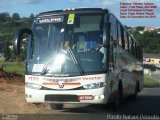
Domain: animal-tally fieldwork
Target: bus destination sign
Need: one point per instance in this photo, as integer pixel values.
(55, 19)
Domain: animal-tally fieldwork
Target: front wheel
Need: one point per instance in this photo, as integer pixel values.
(55, 106)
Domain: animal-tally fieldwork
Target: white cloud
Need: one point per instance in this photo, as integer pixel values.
(13, 2)
(29, 1)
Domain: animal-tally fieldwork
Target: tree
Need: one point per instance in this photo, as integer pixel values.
(7, 52)
(149, 40)
(4, 17)
(31, 16)
(140, 28)
(15, 17)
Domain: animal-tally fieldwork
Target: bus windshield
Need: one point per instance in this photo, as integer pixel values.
(67, 44)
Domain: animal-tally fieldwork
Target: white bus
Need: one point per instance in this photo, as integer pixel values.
(80, 55)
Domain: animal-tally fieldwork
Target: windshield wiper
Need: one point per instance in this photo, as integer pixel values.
(51, 63)
(46, 68)
(76, 62)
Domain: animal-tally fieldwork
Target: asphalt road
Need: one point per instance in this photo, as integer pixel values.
(147, 105)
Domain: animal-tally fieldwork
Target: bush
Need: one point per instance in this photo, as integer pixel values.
(151, 67)
(149, 82)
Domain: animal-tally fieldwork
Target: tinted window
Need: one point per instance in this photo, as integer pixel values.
(113, 27)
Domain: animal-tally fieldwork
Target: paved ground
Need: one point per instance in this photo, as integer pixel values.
(13, 105)
(147, 105)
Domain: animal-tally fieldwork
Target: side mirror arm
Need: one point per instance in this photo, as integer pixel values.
(18, 39)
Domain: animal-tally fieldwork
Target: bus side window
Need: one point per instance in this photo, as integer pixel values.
(132, 47)
(130, 44)
(135, 49)
(123, 37)
(119, 35)
(138, 52)
(126, 41)
(111, 57)
(113, 30)
(141, 53)
(114, 38)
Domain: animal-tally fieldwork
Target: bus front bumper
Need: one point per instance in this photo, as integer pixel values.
(92, 96)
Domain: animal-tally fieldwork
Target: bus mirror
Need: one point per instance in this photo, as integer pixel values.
(106, 36)
(18, 39)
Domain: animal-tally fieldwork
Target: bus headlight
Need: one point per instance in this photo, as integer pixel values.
(94, 85)
(33, 86)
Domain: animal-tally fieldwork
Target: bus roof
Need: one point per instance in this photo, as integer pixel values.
(73, 10)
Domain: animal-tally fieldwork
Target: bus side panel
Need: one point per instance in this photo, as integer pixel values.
(131, 71)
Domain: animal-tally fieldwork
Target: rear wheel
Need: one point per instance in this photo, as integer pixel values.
(115, 103)
(55, 106)
(134, 96)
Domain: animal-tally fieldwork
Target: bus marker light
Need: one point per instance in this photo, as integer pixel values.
(96, 97)
(101, 96)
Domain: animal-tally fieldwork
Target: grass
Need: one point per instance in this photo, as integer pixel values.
(149, 82)
(13, 67)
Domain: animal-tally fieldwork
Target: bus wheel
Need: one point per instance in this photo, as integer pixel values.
(56, 106)
(118, 97)
(115, 103)
(134, 96)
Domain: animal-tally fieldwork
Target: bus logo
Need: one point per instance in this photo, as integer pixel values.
(61, 84)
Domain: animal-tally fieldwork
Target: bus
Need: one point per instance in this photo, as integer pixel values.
(82, 55)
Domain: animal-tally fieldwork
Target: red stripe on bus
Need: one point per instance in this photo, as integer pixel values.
(70, 84)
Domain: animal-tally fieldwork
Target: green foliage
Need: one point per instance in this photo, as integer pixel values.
(9, 25)
(150, 82)
(13, 67)
(149, 40)
(31, 16)
(151, 67)
(4, 17)
(7, 53)
(140, 28)
(15, 17)
(10, 56)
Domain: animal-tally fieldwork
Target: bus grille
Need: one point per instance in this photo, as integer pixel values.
(62, 98)
(60, 79)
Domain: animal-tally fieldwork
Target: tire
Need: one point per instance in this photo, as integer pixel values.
(120, 91)
(118, 97)
(134, 96)
(115, 103)
(54, 106)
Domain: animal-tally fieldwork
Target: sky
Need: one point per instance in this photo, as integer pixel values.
(26, 7)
